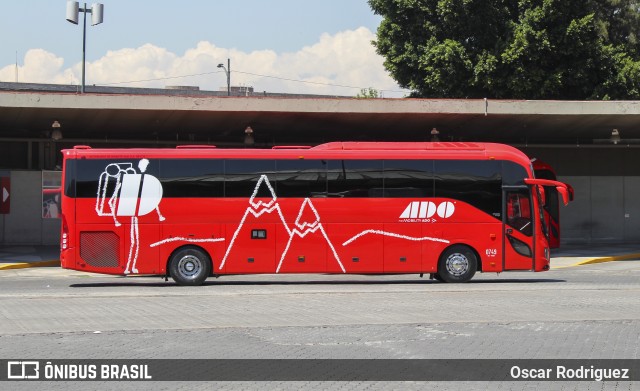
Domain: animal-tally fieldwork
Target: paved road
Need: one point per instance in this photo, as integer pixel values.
(583, 312)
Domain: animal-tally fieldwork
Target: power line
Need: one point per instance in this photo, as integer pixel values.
(160, 78)
(252, 74)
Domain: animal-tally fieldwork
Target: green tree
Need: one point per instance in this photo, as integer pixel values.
(531, 49)
(368, 93)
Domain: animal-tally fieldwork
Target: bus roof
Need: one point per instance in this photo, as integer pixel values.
(333, 150)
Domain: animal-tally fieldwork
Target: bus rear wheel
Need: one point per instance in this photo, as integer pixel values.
(189, 266)
(457, 264)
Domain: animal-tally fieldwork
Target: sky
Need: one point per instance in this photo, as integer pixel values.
(291, 46)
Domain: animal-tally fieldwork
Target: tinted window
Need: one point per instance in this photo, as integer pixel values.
(70, 178)
(407, 178)
(354, 178)
(513, 174)
(241, 177)
(99, 177)
(301, 178)
(476, 182)
(192, 178)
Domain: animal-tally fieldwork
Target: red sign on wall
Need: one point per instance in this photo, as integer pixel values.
(5, 195)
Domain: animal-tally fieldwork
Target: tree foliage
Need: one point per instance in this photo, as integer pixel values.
(368, 93)
(529, 49)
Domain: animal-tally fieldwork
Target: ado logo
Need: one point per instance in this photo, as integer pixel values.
(427, 209)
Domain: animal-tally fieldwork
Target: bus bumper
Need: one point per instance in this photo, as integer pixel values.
(67, 259)
(543, 262)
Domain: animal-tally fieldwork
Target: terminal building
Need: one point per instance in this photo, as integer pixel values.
(592, 145)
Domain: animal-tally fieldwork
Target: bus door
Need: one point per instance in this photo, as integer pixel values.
(518, 229)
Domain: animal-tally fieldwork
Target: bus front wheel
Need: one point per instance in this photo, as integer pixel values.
(189, 266)
(457, 264)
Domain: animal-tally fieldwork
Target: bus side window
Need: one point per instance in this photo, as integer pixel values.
(407, 179)
(354, 178)
(242, 175)
(301, 178)
(192, 177)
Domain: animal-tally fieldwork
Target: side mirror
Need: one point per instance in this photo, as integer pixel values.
(563, 189)
(570, 191)
(564, 193)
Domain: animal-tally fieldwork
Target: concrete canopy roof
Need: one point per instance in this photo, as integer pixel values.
(278, 120)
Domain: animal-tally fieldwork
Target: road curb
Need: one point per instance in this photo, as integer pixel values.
(625, 257)
(25, 265)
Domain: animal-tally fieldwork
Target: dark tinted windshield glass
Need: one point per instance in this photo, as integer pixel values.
(513, 174)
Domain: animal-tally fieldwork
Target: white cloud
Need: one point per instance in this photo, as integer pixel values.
(346, 58)
(39, 66)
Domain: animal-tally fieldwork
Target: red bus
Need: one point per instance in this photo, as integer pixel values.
(446, 209)
(551, 207)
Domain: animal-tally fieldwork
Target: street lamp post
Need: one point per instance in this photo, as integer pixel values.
(96, 11)
(227, 70)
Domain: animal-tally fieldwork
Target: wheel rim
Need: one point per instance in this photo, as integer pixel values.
(457, 264)
(189, 266)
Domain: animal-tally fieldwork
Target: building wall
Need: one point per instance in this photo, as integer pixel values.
(24, 224)
(606, 181)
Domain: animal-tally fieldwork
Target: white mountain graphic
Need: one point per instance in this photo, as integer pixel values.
(257, 208)
(307, 225)
(308, 222)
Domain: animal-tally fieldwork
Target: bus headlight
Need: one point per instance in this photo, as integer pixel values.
(546, 254)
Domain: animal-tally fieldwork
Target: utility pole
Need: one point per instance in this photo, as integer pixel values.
(227, 70)
(96, 11)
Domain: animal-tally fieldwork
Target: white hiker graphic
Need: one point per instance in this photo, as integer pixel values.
(124, 200)
(304, 227)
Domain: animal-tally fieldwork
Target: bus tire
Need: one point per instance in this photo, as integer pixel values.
(189, 266)
(437, 277)
(458, 263)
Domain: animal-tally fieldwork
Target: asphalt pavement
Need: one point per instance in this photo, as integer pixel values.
(586, 312)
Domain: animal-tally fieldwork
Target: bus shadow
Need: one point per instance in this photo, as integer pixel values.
(314, 282)
(516, 281)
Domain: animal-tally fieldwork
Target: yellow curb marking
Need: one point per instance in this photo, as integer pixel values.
(24, 265)
(602, 260)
